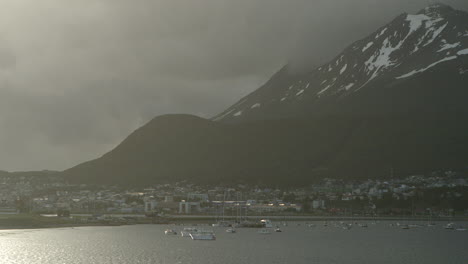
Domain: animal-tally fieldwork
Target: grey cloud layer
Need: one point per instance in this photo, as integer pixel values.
(76, 77)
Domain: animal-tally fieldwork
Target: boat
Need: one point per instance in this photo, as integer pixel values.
(450, 226)
(278, 230)
(264, 231)
(230, 230)
(363, 225)
(170, 232)
(404, 226)
(429, 220)
(222, 224)
(203, 235)
(347, 226)
(266, 223)
(187, 231)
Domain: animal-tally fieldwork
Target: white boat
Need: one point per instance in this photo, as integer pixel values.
(450, 226)
(231, 230)
(170, 232)
(203, 235)
(187, 231)
(363, 225)
(278, 230)
(264, 231)
(266, 223)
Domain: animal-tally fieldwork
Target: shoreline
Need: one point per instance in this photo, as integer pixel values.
(322, 218)
(25, 221)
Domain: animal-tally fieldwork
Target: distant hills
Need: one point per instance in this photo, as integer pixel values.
(396, 99)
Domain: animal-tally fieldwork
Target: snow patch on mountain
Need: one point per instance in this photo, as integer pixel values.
(381, 59)
(324, 89)
(426, 68)
(367, 46)
(416, 21)
(381, 33)
(343, 69)
(349, 86)
(447, 46)
(255, 105)
(435, 34)
(238, 113)
(463, 52)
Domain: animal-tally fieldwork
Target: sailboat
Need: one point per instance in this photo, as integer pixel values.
(429, 220)
(221, 223)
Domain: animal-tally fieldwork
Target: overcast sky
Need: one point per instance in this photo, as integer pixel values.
(76, 77)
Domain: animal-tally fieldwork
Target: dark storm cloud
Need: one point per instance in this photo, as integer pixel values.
(76, 77)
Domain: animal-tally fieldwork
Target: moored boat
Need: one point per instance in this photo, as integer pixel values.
(203, 235)
(230, 230)
(187, 231)
(170, 232)
(450, 226)
(266, 223)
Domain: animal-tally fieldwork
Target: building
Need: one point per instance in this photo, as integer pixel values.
(189, 207)
(318, 204)
(150, 206)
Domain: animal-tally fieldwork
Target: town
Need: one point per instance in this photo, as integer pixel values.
(443, 193)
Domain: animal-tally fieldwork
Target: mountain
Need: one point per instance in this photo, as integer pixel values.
(396, 99)
(416, 64)
(286, 152)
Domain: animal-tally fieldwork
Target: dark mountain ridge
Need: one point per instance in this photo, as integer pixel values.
(288, 152)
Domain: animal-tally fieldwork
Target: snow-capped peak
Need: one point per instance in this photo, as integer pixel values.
(406, 47)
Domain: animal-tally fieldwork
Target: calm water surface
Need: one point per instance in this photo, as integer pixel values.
(379, 243)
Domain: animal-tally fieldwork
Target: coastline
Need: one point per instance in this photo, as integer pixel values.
(29, 221)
